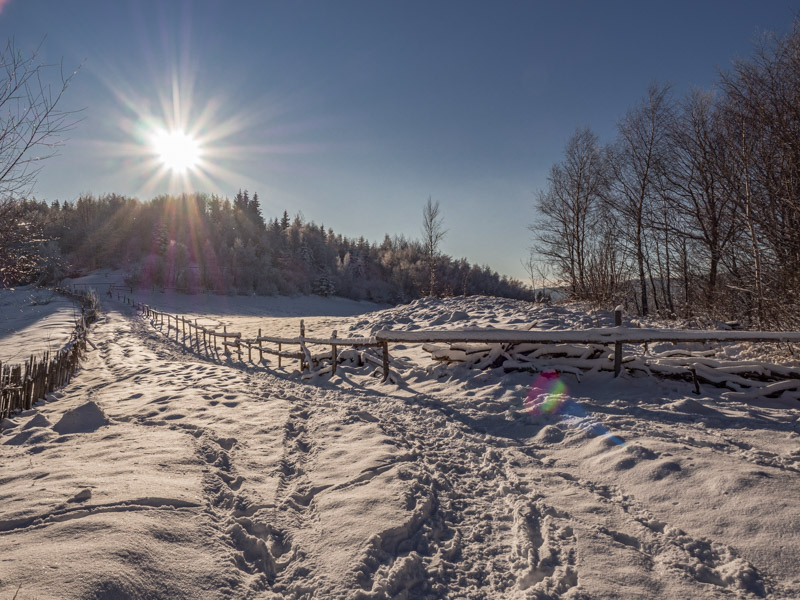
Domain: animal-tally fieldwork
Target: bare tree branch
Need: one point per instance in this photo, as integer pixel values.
(32, 128)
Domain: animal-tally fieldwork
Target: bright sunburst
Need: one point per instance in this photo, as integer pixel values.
(176, 143)
(177, 151)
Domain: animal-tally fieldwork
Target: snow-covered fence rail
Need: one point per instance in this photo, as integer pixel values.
(589, 337)
(605, 336)
(22, 385)
(578, 351)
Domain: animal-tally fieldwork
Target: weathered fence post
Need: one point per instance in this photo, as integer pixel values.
(385, 345)
(333, 354)
(26, 384)
(693, 370)
(260, 349)
(617, 345)
(302, 335)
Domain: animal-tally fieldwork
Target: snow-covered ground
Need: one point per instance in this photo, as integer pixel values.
(159, 473)
(33, 321)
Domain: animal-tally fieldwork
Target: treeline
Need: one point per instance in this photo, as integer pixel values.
(694, 207)
(199, 242)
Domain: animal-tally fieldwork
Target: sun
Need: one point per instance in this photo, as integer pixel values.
(178, 151)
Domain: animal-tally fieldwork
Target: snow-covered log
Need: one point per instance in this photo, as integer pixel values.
(760, 391)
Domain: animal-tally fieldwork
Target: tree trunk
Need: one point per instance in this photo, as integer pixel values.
(640, 260)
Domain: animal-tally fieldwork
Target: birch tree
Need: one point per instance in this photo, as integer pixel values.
(567, 209)
(433, 233)
(637, 157)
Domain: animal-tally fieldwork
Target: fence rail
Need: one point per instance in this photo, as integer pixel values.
(21, 385)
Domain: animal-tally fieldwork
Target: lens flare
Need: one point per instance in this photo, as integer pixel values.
(549, 396)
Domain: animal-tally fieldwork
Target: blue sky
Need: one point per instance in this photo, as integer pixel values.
(353, 113)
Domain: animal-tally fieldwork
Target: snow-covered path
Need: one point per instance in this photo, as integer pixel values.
(160, 474)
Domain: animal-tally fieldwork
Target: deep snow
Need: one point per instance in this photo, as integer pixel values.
(159, 473)
(34, 320)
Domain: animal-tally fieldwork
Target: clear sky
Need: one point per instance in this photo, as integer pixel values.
(354, 112)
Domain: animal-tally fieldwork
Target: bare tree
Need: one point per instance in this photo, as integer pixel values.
(31, 130)
(636, 160)
(706, 192)
(539, 275)
(762, 122)
(706, 211)
(31, 124)
(568, 210)
(433, 233)
(737, 175)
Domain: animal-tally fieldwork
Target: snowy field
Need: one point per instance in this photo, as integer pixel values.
(33, 321)
(161, 474)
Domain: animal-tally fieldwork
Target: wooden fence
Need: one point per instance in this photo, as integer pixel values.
(21, 385)
(502, 339)
(208, 339)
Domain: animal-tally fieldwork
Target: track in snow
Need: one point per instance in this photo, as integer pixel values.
(294, 490)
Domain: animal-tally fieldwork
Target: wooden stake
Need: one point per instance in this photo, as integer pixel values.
(302, 335)
(696, 382)
(385, 360)
(333, 354)
(617, 345)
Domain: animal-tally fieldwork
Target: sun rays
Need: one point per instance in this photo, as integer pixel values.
(173, 142)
